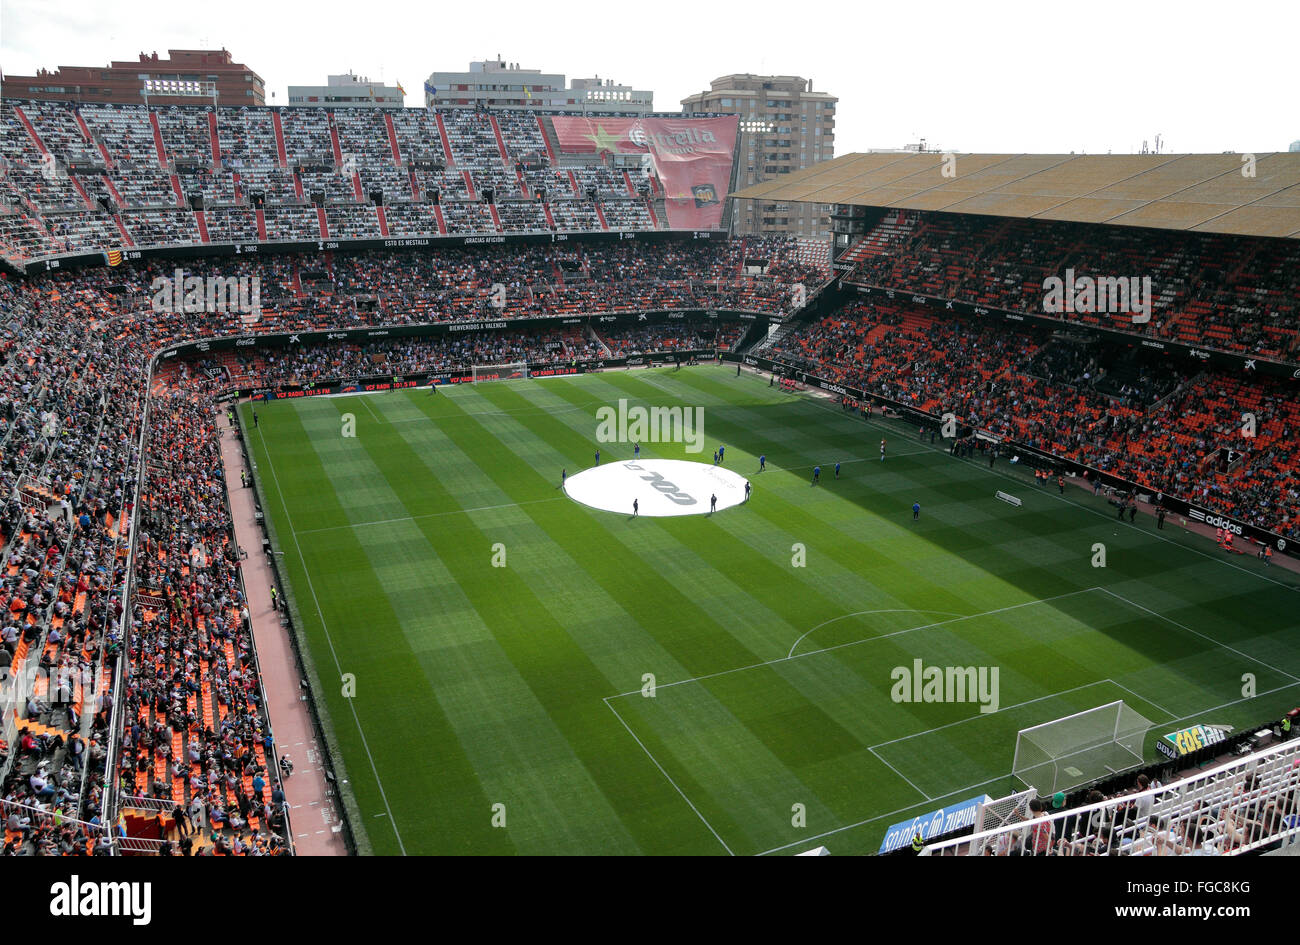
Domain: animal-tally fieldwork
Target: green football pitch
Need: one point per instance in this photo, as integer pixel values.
(503, 670)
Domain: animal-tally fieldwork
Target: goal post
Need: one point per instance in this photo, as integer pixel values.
(995, 814)
(499, 372)
(1062, 754)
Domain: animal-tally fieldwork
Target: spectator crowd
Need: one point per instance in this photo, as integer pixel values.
(188, 736)
(1123, 411)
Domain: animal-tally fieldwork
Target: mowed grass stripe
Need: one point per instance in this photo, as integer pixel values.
(393, 704)
(522, 762)
(634, 791)
(783, 743)
(533, 767)
(741, 604)
(609, 547)
(845, 525)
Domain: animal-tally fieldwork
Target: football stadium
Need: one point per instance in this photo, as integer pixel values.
(469, 479)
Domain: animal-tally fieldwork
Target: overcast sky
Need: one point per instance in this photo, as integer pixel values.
(996, 76)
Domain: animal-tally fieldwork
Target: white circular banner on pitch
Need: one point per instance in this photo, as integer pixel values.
(662, 487)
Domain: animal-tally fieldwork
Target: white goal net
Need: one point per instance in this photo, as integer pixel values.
(500, 372)
(995, 814)
(1064, 753)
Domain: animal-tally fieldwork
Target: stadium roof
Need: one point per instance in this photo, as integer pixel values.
(1197, 192)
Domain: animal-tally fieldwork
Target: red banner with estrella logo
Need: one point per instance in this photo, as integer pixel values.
(692, 157)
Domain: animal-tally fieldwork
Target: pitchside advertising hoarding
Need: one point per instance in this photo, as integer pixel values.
(115, 257)
(693, 157)
(1190, 739)
(385, 382)
(932, 825)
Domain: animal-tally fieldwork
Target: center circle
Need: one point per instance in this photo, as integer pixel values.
(661, 487)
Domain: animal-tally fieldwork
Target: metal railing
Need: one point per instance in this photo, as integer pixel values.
(1241, 806)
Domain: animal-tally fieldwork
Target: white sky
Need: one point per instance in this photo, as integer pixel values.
(997, 76)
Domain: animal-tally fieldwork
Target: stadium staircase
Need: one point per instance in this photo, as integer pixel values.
(771, 338)
(121, 228)
(90, 138)
(392, 138)
(90, 204)
(501, 144)
(280, 152)
(548, 136)
(214, 138)
(334, 142)
(600, 342)
(180, 194)
(446, 142)
(31, 131)
(159, 147)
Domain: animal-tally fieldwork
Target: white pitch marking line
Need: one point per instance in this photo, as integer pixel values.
(840, 646)
(669, 777)
(863, 613)
(1005, 708)
(1060, 498)
(901, 775)
(415, 518)
(971, 787)
(1138, 695)
(1280, 672)
(330, 640)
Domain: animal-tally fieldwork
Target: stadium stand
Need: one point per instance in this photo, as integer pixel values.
(1228, 293)
(88, 178)
(93, 505)
(1098, 404)
(183, 754)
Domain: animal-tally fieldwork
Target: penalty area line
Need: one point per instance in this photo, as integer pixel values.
(840, 646)
(980, 784)
(662, 771)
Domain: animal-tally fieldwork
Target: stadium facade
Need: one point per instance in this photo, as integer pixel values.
(347, 91)
(785, 127)
(185, 77)
(495, 83)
